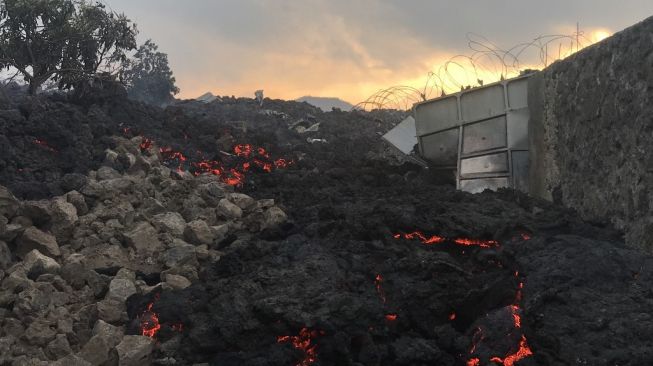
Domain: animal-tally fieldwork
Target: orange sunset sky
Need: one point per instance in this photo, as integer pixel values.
(350, 49)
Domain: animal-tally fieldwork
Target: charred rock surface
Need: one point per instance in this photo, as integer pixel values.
(329, 256)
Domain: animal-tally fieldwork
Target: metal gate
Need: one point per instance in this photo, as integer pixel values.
(481, 134)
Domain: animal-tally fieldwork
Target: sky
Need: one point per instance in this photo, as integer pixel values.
(352, 48)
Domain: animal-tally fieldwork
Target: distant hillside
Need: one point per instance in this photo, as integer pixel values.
(326, 103)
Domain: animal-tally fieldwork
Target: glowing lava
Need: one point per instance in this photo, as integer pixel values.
(150, 324)
(378, 280)
(521, 353)
(303, 342)
(434, 239)
(474, 362)
(391, 317)
(145, 144)
(231, 172)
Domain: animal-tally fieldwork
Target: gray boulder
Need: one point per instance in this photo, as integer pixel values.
(77, 199)
(38, 212)
(228, 210)
(5, 256)
(34, 238)
(171, 222)
(8, 203)
(3, 225)
(198, 232)
(274, 217)
(64, 218)
(143, 237)
(120, 289)
(40, 333)
(71, 360)
(135, 351)
(241, 200)
(37, 264)
(58, 348)
(176, 282)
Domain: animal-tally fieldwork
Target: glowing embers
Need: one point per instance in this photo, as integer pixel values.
(520, 351)
(305, 343)
(391, 317)
(150, 324)
(378, 281)
(45, 145)
(232, 170)
(145, 144)
(434, 239)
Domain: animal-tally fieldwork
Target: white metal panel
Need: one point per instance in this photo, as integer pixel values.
(482, 103)
(402, 136)
(485, 135)
(518, 128)
(518, 93)
(441, 148)
(436, 115)
(520, 170)
(494, 163)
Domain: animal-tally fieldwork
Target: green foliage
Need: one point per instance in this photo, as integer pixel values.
(148, 76)
(68, 41)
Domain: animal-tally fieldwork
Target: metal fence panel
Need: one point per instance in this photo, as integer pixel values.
(485, 135)
(495, 163)
(441, 148)
(482, 103)
(437, 116)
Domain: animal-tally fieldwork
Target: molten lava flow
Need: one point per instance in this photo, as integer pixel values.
(231, 172)
(515, 315)
(145, 144)
(281, 163)
(474, 242)
(521, 353)
(434, 239)
(150, 324)
(474, 362)
(243, 150)
(45, 144)
(379, 289)
(303, 342)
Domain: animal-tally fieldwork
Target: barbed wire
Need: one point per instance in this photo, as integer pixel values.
(487, 63)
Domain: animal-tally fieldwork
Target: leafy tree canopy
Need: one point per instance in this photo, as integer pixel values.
(148, 76)
(68, 41)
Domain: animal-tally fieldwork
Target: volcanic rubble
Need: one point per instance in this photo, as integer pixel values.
(230, 234)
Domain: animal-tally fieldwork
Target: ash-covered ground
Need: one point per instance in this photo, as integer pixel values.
(338, 253)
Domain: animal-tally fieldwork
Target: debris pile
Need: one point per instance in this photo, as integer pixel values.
(141, 249)
(68, 264)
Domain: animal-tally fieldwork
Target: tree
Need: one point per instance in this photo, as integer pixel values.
(68, 41)
(148, 76)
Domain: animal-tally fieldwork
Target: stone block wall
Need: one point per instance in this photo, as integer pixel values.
(591, 133)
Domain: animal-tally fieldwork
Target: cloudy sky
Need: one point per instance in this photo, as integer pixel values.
(347, 48)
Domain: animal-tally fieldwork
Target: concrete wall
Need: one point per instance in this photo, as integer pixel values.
(591, 133)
